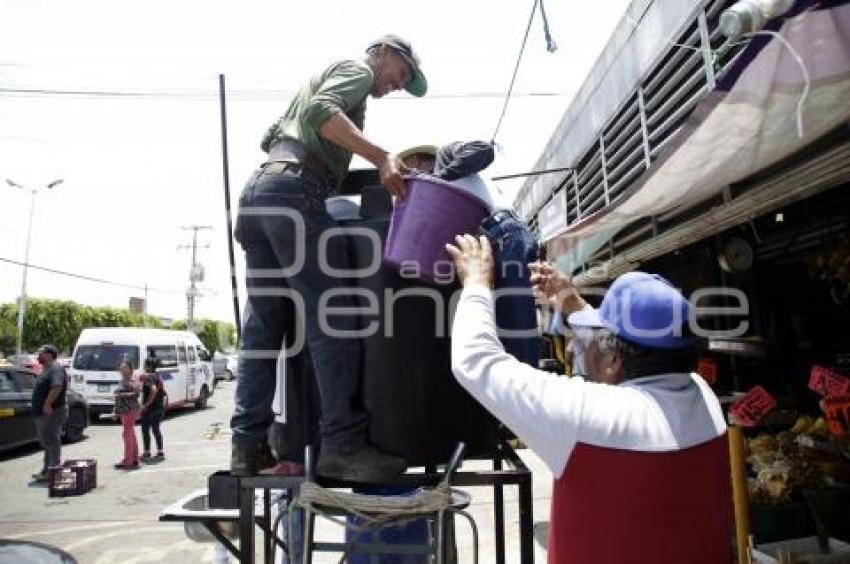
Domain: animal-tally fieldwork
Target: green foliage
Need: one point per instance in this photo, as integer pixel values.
(215, 335)
(60, 322)
(8, 326)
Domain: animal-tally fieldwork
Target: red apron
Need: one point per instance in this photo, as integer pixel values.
(615, 506)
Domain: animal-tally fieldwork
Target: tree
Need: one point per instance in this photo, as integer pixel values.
(8, 327)
(215, 335)
(59, 322)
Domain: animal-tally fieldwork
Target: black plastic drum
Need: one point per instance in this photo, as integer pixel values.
(417, 409)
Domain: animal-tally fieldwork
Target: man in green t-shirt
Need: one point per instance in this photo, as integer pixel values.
(295, 291)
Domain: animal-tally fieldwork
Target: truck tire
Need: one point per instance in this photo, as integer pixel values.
(75, 425)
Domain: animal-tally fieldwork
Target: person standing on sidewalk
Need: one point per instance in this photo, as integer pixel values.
(282, 225)
(153, 411)
(49, 408)
(127, 409)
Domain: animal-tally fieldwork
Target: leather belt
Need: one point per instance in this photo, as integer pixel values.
(296, 169)
(293, 153)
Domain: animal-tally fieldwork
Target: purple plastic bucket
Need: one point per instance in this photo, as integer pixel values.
(431, 215)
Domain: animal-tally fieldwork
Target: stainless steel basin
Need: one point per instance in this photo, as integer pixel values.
(193, 510)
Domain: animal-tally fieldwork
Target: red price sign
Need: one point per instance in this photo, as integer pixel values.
(750, 409)
(827, 383)
(707, 368)
(837, 412)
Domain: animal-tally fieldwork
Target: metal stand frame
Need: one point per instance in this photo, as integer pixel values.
(517, 474)
(439, 523)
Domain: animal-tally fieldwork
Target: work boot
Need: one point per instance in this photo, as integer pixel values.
(247, 458)
(365, 465)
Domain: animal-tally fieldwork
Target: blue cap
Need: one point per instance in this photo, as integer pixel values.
(641, 308)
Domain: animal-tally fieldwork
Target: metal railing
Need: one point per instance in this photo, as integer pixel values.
(649, 116)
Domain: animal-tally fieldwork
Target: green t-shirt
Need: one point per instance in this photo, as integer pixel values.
(342, 87)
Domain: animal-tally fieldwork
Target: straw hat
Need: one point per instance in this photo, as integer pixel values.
(430, 150)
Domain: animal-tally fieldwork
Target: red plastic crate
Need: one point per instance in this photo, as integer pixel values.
(72, 477)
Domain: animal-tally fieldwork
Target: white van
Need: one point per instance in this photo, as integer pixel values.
(184, 365)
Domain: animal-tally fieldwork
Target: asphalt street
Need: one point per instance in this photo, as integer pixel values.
(118, 521)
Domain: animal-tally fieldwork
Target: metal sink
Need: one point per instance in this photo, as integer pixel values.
(194, 512)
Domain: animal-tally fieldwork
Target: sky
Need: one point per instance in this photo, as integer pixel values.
(142, 158)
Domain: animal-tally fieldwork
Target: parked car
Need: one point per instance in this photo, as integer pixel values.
(224, 365)
(28, 361)
(17, 426)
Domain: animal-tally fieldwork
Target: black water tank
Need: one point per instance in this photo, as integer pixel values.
(416, 408)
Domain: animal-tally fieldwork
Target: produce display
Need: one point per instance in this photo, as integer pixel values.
(803, 457)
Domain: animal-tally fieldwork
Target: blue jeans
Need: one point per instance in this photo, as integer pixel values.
(275, 241)
(513, 248)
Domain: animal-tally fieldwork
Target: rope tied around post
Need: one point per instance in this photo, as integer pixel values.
(373, 510)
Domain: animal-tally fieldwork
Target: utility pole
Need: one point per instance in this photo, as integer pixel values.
(226, 172)
(145, 307)
(196, 272)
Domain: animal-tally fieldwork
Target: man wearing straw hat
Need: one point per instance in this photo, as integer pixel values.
(638, 450)
(282, 219)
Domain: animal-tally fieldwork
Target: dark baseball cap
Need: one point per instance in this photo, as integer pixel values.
(49, 349)
(417, 86)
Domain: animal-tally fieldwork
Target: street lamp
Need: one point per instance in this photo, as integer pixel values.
(23, 300)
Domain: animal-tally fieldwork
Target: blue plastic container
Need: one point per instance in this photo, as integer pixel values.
(431, 215)
(415, 532)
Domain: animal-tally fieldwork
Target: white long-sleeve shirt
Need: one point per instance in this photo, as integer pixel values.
(551, 414)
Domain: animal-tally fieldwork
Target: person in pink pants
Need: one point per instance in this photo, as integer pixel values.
(127, 409)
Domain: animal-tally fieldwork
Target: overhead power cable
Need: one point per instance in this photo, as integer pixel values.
(91, 278)
(259, 94)
(550, 46)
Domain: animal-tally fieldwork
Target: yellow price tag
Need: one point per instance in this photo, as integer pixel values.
(7, 412)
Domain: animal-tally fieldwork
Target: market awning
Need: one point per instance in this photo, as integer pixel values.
(780, 95)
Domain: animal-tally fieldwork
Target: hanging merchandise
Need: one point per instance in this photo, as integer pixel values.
(832, 266)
